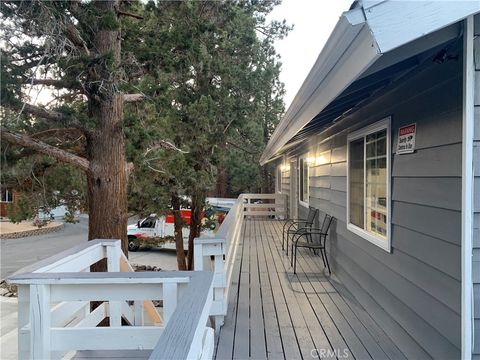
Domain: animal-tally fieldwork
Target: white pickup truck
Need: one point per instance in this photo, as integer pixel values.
(159, 231)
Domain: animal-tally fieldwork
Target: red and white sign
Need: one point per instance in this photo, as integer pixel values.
(406, 139)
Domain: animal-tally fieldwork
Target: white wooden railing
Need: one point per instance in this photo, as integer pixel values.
(54, 315)
(223, 247)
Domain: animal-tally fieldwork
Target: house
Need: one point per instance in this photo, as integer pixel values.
(8, 196)
(384, 135)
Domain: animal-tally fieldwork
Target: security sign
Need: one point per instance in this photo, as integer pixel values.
(406, 139)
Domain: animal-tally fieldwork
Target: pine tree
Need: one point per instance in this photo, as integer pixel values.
(75, 47)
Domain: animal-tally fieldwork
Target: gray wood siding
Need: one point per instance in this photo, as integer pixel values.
(476, 196)
(414, 292)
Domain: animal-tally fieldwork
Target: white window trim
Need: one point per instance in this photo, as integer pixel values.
(305, 162)
(279, 169)
(385, 123)
(11, 196)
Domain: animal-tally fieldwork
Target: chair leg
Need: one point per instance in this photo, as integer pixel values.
(287, 244)
(323, 259)
(283, 238)
(295, 260)
(326, 258)
(291, 258)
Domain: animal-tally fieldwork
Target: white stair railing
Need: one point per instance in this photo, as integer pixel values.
(54, 315)
(223, 247)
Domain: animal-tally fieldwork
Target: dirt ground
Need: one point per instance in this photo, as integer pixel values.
(7, 227)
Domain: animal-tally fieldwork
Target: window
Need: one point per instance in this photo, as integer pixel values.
(7, 196)
(149, 222)
(368, 178)
(279, 178)
(303, 180)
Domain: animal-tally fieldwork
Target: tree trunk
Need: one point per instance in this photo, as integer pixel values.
(107, 178)
(195, 225)
(221, 188)
(178, 225)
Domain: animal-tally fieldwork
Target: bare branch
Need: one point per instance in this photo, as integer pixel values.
(124, 13)
(41, 147)
(74, 36)
(55, 83)
(55, 132)
(163, 144)
(133, 97)
(52, 115)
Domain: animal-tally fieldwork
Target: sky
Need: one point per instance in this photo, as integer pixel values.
(313, 22)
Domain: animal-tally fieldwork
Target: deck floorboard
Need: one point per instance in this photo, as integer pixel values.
(275, 314)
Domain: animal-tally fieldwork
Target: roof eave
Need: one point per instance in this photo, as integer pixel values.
(349, 51)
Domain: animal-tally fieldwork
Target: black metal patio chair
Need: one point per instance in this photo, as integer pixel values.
(314, 239)
(295, 227)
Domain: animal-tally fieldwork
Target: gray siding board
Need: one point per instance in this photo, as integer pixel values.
(410, 348)
(339, 169)
(476, 266)
(445, 290)
(429, 338)
(339, 154)
(476, 306)
(320, 193)
(476, 132)
(476, 158)
(321, 170)
(436, 129)
(440, 223)
(338, 197)
(420, 303)
(436, 192)
(338, 183)
(439, 161)
(439, 254)
(476, 197)
(320, 182)
(476, 340)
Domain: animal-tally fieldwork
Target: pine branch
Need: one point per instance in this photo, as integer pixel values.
(43, 148)
(124, 13)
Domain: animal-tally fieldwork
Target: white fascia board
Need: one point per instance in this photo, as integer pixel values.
(467, 189)
(397, 22)
(349, 51)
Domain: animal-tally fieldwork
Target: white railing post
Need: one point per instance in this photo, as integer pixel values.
(197, 256)
(138, 318)
(170, 300)
(40, 341)
(23, 292)
(113, 265)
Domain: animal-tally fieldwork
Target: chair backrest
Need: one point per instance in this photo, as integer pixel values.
(312, 214)
(327, 221)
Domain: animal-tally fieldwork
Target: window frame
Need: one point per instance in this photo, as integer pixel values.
(303, 157)
(9, 192)
(279, 178)
(384, 124)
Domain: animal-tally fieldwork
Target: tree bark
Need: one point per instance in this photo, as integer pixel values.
(198, 201)
(107, 179)
(41, 147)
(178, 226)
(221, 187)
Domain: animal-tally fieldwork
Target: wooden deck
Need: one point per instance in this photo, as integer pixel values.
(275, 314)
